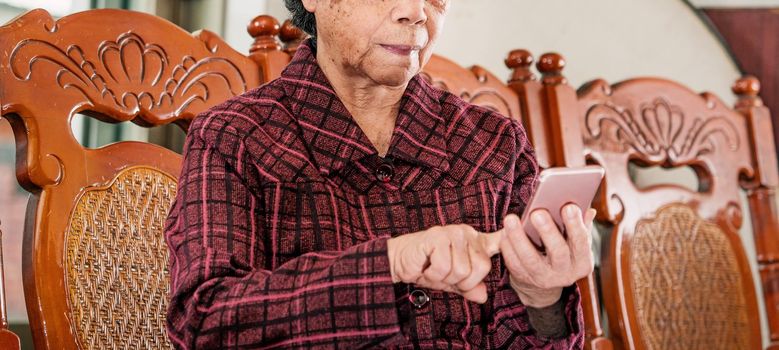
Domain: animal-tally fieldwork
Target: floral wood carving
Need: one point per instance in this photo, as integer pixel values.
(129, 74)
(660, 131)
(475, 85)
(484, 96)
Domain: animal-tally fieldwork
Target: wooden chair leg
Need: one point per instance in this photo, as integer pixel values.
(766, 232)
(594, 338)
(8, 340)
(762, 196)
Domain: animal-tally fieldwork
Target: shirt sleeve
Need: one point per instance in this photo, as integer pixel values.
(511, 316)
(220, 299)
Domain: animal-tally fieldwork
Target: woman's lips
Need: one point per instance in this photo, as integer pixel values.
(402, 50)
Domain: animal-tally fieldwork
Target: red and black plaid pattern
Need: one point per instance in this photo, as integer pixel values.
(278, 233)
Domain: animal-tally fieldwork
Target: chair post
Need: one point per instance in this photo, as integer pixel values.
(561, 107)
(8, 340)
(761, 192)
(291, 36)
(529, 91)
(549, 111)
(267, 49)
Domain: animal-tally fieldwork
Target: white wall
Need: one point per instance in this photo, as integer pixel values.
(610, 39)
(238, 14)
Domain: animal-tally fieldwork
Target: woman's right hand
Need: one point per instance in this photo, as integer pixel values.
(452, 258)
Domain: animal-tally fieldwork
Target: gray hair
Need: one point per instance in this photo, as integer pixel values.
(301, 18)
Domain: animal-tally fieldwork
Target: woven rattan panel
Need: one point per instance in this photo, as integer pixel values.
(117, 262)
(687, 285)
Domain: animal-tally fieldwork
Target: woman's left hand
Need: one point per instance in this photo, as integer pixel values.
(539, 279)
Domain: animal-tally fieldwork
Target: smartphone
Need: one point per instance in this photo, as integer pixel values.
(558, 187)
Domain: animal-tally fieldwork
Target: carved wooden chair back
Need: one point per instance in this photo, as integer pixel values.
(674, 270)
(95, 261)
(475, 85)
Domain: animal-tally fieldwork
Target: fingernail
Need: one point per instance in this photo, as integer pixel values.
(538, 218)
(570, 212)
(511, 222)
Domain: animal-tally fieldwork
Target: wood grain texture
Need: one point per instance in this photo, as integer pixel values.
(657, 122)
(116, 66)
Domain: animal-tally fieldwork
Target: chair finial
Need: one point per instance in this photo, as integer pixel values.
(520, 61)
(551, 66)
(747, 89)
(265, 31)
(291, 36)
(747, 85)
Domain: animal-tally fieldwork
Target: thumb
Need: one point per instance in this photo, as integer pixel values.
(490, 242)
(478, 294)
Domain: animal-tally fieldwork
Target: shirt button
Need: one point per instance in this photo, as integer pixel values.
(385, 172)
(419, 298)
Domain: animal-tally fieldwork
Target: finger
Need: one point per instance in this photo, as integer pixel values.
(490, 242)
(477, 294)
(461, 263)
(580, 237)
(589, 217)
(480, 268)
(440, 262)
(423, 282)
(512, 263)
(527, 254)
(511, 227)
(556, 247)
(510, 259)
(578, 232)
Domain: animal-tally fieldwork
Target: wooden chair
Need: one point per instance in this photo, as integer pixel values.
(95, 263)
(675, 273)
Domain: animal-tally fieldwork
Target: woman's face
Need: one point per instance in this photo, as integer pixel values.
(385, 41)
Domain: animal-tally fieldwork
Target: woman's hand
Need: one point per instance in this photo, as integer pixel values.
(452, 258)
(539, 279)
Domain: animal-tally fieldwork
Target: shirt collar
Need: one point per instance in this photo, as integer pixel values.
(333, 136)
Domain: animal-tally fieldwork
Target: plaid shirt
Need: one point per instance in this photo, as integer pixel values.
(278, 234)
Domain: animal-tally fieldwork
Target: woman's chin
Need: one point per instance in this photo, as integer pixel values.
(395, 81)
(394, 76)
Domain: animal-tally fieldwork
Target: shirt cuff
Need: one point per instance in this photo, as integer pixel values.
(550, 321)
(508, 304)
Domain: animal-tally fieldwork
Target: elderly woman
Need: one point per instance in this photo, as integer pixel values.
(349, 204)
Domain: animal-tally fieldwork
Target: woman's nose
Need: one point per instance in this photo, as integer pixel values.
(410, 12)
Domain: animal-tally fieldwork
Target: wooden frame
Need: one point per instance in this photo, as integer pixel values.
(562, 127)
(9, 340)
(546, 117)
(116, 66)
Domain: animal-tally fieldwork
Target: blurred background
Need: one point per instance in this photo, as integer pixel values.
(704, 44)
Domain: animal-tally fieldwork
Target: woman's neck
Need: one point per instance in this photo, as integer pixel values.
(373, 106)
